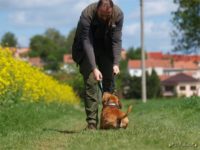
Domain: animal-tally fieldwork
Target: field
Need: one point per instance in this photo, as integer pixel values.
(156, 125)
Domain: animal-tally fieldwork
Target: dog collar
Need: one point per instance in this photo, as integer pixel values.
(112, 105)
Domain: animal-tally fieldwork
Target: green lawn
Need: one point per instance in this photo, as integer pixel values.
(156, 125)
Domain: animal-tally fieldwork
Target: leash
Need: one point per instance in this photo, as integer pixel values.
(100, 86)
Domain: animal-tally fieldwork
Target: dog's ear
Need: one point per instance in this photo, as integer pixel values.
(106, 96)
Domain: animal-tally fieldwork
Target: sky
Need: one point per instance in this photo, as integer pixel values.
(26, 18)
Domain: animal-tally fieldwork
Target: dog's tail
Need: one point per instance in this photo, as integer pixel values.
(128, 111)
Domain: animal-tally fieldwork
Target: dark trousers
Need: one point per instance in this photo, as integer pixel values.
(92, 91)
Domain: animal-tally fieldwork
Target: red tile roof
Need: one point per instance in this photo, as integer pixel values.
(67, 58)
(150, 63)
(194, 58)
(185, 65)
(36, 61)
(163, 77)
(155, 55)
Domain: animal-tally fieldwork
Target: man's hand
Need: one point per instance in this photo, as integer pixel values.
(97, 74)
(116, 69)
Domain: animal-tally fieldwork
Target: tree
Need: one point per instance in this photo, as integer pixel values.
(9, 40)
(55, 36)
(134, 53)
(70, 39)
(119, 79)
(186, 19)
(153, 85)
(42, 46)
(132, 86)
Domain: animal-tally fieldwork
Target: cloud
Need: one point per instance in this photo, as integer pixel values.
(154, 32)
(17, 4)
(36, 15)
(131, 29)
(45, 13)
(154, 8)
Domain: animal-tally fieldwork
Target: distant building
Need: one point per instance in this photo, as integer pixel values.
(155, 55)
(68, 63)
(167, 65)
(134, 66)
(173, 57)
(36, 61)
(22, 53)
(67, 59)
(181, 85)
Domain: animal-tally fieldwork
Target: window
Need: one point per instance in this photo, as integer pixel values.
(193, 88)
(182, 88)
(169, 88)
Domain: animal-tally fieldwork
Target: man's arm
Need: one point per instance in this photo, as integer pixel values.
(87, 39)
(116, 39)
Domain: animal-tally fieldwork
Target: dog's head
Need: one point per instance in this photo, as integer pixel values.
(110, 98)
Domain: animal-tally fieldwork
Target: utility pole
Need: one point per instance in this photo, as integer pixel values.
(144, 97)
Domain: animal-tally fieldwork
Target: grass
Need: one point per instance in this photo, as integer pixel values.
(156, 125)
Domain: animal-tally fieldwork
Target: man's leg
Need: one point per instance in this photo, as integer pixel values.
(91, 100)
(91, 94)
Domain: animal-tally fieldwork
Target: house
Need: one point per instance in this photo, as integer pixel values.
(36, 61)
(155, 55)
(68, 63)
(164, 67)
(134, 66)
(187, 67)
(181, 85)
(176, 57)
(67, 59)
(22, 53)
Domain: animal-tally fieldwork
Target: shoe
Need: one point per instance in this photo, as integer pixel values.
(91, 126)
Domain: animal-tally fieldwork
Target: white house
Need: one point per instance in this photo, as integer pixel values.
(134, 66)
(181, 85)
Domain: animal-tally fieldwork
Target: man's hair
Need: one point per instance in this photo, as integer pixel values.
(101, 2)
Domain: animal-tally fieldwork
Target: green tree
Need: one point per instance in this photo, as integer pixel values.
(153, 85)
(42, 46)
(9, 40)
(186, 36)
(132, 87)
(122, 76)
(55, 36)
(59, 40)
(134, 53)
(70, 39)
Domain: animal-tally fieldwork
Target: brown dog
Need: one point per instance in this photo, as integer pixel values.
(111, 116)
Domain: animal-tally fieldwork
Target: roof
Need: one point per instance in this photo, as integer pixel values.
(154, 55)
(36, 61)
(23, 50)
(163, 77)
(185, 65)
(179, 78)
(150, 63)
(176, 57)
(67, 58)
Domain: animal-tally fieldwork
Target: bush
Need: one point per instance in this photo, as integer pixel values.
(132, 87)
(72, 78)
(19, 79)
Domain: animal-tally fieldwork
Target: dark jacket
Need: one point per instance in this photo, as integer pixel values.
(93, 38)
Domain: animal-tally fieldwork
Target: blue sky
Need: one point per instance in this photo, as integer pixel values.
(26, 18)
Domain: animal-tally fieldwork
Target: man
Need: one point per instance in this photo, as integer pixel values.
(96, 49)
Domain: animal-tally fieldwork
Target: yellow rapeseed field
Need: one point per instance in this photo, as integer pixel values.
(34, 85)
